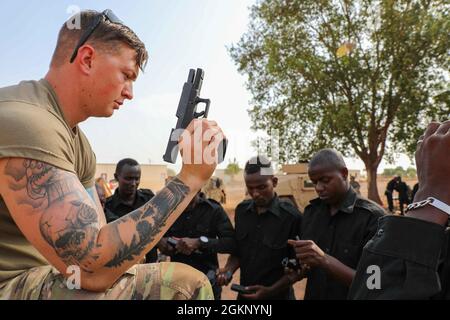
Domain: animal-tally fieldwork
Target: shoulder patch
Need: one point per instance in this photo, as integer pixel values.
(370, 206)
(146, 194)
(289, 207)
(244, 203)
(147, 191)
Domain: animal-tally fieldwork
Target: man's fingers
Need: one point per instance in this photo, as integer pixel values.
(198, 144)
(301, 243)
(306, 255)
(197, 128)
(253, 288)
(310, 261)
(304, 248)
(443, 128)
(200, 122)
(213, 136)
(431, 129)
(204, 124)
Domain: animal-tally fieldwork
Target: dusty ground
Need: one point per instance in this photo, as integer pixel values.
(235, 194)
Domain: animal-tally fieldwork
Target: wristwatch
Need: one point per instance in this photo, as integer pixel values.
(203, 242)
(432, 202)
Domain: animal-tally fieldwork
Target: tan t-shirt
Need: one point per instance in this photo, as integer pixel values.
(32, 126)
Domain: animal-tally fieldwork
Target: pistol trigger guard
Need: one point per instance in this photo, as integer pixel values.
(198, 114)
(207, 102)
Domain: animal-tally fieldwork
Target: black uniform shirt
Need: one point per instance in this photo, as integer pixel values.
(413, 257)
(208, 219)
(262, 241)
(342, 236)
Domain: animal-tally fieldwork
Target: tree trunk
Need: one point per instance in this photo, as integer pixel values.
(372, 183)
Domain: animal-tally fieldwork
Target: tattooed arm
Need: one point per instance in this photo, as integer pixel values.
(57, 215)
(92, 191)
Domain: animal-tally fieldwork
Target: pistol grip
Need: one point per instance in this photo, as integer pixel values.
(171, 149)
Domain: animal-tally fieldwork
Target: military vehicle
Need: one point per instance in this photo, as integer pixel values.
(294, 185)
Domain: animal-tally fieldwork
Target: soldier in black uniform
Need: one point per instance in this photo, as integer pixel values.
(335, 228)
(355, 185)
(128, 197)
(202, 231)
(263, 225)
(391, 186)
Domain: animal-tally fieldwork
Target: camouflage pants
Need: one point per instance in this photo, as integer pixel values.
(156, 281)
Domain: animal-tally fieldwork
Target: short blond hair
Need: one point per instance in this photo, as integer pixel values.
(107, 37)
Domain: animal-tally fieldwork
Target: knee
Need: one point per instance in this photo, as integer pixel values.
(181, 281)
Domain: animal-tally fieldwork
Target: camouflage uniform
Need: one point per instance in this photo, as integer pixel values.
(156, 281)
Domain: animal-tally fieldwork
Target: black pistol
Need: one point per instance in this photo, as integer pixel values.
(240, 289)
(173, 242)
(187, 111)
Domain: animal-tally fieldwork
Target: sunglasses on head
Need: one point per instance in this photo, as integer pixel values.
(105, 15)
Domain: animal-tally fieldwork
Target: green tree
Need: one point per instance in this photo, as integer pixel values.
(232, 169)
(371, 98)
(411, 172)
(398, 171)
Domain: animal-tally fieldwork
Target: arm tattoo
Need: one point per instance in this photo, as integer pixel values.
(74, 235)
(172, 196)
(42, 183)
(76, 239)
(149, 220)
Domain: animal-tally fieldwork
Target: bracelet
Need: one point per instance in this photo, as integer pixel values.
(429, 201)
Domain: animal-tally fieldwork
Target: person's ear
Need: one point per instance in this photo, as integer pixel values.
(274, 181)
(85, 58)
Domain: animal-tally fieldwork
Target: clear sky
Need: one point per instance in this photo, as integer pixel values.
(179, 34)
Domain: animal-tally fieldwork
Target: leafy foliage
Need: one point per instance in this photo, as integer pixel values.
(363, 76)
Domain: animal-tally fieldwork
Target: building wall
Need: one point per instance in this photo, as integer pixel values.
(152, 176)
(220, 173)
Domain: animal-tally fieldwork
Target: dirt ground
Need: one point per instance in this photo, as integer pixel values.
(235, 194)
